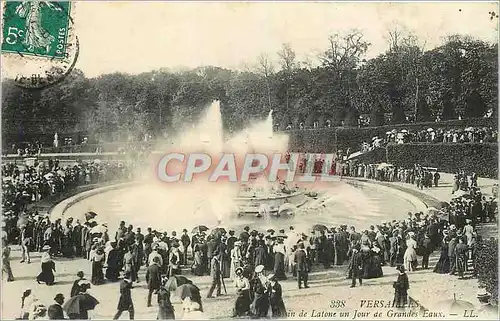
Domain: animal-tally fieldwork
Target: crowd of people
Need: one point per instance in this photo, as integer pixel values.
(430, 135)
(255, 261)
(422, 177)
(25, 184)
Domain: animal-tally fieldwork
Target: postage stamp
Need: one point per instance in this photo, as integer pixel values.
(38, 42)
(36, 28)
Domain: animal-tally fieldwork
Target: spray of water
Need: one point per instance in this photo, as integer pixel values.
(215, 201)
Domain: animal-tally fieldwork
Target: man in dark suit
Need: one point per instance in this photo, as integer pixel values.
(356, 266)
(125, 302)
(211, 247)
(148, 241)
(77, 238)
(153, 278)
(302, 266)
(215, 273)
(185, 240)
(55, 311)
(427, 248)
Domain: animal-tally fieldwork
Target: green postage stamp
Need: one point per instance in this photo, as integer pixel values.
(36, 28)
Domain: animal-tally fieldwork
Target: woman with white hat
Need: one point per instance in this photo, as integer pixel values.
(410, 257)
(48, 266)
(242, 304)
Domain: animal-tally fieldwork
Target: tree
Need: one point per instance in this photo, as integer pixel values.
(265, 68)
(342, 59)
(448, 111)
(377, 116)
(423, 113)
(288, 66)
(474, 105)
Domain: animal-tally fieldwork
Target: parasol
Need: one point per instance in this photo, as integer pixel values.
(199, 229)
(469, 129)
(319, 227)
(218, 231)
(176, 281)
(404, 131)
(383, 165)
(72, 305)
(98, 229)
(90, 215)
(270, 230)
(430, 129)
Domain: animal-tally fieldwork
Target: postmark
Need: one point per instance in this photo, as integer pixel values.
(39, 47)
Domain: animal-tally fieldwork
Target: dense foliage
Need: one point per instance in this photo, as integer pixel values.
(487, 267)
(448, 157)
(459, 77)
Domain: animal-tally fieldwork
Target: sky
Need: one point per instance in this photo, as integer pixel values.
(135, 37)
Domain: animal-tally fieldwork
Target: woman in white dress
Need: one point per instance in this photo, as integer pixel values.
(468, 231)
(410, 256)
(236, 259)
(243, 301)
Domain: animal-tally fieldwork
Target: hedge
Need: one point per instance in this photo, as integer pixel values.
(448, 157)
(377, 155)
(487, 268)
(327, 139)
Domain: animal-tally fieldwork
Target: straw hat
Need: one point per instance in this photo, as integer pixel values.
(259, 268)
(46, 247)
(238, 270)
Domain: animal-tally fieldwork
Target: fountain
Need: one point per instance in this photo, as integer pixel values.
(227, 199)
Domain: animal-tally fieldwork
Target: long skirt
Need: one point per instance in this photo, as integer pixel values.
(443, 265)
(400, 299)
(97, 274)
(242, 304)
(226, 267)
(278, 308)
(46, 275)
(112, 272)
(279, 266)
(260, 305)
